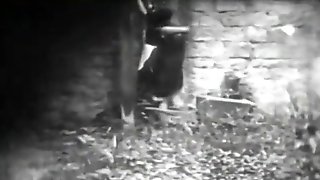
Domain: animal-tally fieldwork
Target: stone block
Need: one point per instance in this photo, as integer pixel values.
(232, 34)
(304, 13)
(198, 49)
(195, 18)
(203, 62)
(207, 49)
(277, 63)
(208, 33)
(205, 33)
(277, 51)
(210, 21)
(207, 79)
(228, 5)
(238, 49)
(202, 6)
(277, 7)
(277, 35)
(259, 19)
(211, 108)
(255, 34)
(269, 51)
(233, 64)
(239, 20)
(205, 19)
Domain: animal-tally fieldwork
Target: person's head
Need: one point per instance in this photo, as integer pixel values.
(159, 17)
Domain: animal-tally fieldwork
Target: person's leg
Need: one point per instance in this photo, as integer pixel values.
(131, 45)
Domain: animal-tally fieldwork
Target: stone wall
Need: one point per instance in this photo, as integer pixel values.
(269, 43)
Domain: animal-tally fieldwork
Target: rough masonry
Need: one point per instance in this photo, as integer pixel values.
(271, 43)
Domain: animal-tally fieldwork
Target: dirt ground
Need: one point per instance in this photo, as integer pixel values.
(254, 147)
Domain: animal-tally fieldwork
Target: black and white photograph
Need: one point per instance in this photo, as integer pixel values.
(160, 90)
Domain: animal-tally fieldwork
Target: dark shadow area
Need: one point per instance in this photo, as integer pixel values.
(39, 39)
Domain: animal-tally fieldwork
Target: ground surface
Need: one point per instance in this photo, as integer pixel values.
(251, 148)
